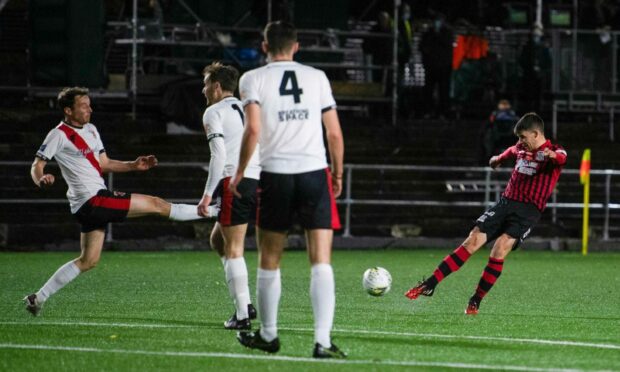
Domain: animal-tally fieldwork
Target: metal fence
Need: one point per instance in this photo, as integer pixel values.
(486, 194)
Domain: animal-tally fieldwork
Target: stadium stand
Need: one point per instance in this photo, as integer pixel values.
(26, 116)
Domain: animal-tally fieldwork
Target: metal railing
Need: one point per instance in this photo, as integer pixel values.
(348, 200)
(554, 205)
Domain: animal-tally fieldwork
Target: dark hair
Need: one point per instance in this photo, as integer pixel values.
(530, 121)
(280, 36)
(66, 97)
(226, 75)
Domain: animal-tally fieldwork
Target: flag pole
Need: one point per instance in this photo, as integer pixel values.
(584, 176)
(586, 217)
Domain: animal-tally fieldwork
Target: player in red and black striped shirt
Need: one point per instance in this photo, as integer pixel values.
(537, 169)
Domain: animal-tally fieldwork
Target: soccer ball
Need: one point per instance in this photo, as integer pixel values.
(377, 281)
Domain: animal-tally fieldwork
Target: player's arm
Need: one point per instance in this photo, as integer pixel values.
(248, 142)
(335, 144)
(39, 177)
(497, 160)
(216, 169)
(557, 157)
(142, 163)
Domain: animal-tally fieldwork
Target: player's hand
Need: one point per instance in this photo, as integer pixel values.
(203, 206)
(143, 163)
(337, 186)
(46, 181)
(494, 162)
(549, 153)
(234, 183)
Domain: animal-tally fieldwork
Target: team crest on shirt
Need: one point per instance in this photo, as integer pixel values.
(540, 156)
(527, 167)
(92, 132)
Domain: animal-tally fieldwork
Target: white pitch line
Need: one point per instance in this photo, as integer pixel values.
(198, 354)
(94, 324)
(342, 330)
(483, 338)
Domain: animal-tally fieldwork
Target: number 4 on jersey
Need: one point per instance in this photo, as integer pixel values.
(294, 89)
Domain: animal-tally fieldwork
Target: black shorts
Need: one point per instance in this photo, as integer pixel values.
(105, 207)
(511, 217)
(307, 196)
(234, 210)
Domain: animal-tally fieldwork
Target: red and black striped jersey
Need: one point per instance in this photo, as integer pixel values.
(534, 175)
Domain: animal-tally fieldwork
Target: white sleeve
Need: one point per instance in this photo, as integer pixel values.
(51, 145)
(327, 98)
(248, 89)
(212, 122)
(215, 136)
(216, 164)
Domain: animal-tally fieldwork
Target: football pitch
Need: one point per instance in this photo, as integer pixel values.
(165, 311)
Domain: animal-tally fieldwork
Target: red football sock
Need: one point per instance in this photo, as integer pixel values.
(450, 264)
(489, 276)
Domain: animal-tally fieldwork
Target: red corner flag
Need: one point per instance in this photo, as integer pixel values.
(584, 170)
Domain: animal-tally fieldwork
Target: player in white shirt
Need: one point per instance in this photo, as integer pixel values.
(223, 123)
(77, 147)
(285, 105)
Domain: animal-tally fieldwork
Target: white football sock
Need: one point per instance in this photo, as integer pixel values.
(61, 278)
(237, 281)
(184, 212)
(323, 296)
(268, 290)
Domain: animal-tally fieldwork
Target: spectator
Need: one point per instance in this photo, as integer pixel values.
(497, 133)
(405, 37)
(378, 49)
(535, 63)
(436, 48)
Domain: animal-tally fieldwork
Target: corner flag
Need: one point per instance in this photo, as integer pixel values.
(584, 177)
(584, 170)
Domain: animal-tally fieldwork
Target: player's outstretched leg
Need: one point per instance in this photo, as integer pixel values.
(490, 274)
(187, 212)
(146, 205)
(448, 265)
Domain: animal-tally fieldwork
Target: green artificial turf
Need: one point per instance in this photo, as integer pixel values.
(164, 311)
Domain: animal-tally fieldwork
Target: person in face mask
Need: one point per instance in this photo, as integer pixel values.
(535, 65)
(405, 35)
(436, 48)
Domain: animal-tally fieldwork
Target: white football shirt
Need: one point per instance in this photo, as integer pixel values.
(223, 121)
(81, 176)
(292, 98)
